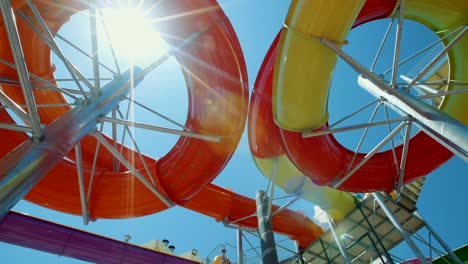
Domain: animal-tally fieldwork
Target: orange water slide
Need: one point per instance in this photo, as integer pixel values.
(215, 73)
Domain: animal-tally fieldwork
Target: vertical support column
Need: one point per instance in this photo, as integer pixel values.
(240, 248)
(267, 239)
(400, 228)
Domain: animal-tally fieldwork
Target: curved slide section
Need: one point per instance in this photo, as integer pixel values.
(212, 74)
(300, 92)
(218, 98)
(299, 103)
(223, 204)
(269, 154)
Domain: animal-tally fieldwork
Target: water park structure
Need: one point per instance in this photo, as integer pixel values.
(56, 154)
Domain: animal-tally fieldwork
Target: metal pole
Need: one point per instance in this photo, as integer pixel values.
(372, 229)
(240, 249)
(437, 58)
(7, 102)
(310, 134)
(267, 239)
(299, 253)
(376, 248)
(22, 168)
(16, 48)
(369, 155)
(440, 126)
(284, 206)
(341, 248)
(325, 251)
(404, 154)
(79, 170)
(375, 79)
(400, 228)
(448, 131)
(441, 242)
(131, 168)
(47, 36)
(274, 174)
(95, 48)
(423, 87)
(160, 129)
(396, 53)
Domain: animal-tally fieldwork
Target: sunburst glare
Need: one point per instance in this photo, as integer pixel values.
(132, 35)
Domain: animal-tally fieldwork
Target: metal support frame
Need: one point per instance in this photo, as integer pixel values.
(267, 239)
(439, 94)
(17, 50)
(15, 127)
(371, 231)
(47, 36)
(341, 247)
(420, 86)
(353, 127)
(404, 154)
(160, 129)
(240, 248)
(396, 53)
(27, 164)
(376, 248)
(440, 126)
(115, 162)
(46, 83)
(372, 228)
(95, 53)
(440, 240)
(131, 168)
(324, 250)
(300, 259)
(369, 155)
(363, 136)
(438, 57)
(252, 246)
(286, 205)
(14, 107)
(274, 174)
(399, 227)
(79, 170)
(448, 131)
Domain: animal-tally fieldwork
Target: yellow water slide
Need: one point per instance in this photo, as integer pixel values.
(336, 203)
(304, 66)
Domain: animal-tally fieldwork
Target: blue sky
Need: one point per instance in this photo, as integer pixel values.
(442, 202)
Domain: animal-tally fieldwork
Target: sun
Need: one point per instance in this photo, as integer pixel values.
(132, 34)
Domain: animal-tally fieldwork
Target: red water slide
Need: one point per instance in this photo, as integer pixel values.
(323, 158)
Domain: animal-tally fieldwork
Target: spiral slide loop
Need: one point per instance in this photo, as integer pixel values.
(300, 93)
(215, 74)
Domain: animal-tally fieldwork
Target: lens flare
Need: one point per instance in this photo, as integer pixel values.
(132, 34)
